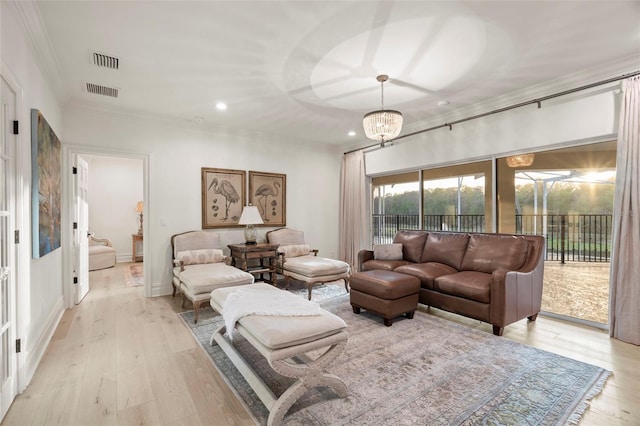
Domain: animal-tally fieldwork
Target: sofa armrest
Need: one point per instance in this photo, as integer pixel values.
(363, 256)
(516, 295)
(93, 240)
(180, 263)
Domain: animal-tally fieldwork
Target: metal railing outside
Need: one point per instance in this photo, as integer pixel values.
(570, 237)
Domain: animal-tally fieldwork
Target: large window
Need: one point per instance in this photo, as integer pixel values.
(457, 198)
(396, 205)
(564, 194)
(567, 196)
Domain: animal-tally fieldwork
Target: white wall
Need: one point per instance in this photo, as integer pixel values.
(584, 116)
(40, 280)
(176, 153)
(115, 187)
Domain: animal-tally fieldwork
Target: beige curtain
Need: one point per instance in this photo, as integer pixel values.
(354, 210)
(624, 292)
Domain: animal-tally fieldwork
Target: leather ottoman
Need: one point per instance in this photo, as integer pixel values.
(386, 293)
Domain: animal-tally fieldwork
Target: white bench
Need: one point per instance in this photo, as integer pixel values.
(284, 341)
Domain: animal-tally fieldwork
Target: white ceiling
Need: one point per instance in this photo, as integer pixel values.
(305, 70)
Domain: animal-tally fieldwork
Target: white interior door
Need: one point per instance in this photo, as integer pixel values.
(81, 231)
(8, 355)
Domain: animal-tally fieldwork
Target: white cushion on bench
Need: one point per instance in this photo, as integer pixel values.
(276, 332)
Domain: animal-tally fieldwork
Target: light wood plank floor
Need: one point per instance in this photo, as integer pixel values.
(120, 358)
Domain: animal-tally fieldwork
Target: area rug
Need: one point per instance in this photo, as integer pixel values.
(134, 275)
(422, 371)
(319, 293)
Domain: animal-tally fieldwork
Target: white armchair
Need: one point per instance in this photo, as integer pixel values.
(199, 267)
(299, 261)
(101, 254)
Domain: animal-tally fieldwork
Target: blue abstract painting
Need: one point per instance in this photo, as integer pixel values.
(46, 184)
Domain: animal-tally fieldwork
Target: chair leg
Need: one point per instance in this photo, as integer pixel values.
(196, 313)
(184, 301)
(286, 280)
(346, 284)
(309, 286)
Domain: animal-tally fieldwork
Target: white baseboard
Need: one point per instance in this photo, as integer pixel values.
(40, 339)
(123, 258)
(158, 289)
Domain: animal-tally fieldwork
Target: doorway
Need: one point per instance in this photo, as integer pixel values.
(117, 186)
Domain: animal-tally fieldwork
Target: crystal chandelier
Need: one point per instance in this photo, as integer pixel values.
(384, 124)
(520, 160)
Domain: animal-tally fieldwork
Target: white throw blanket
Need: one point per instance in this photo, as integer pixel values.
(243, 302)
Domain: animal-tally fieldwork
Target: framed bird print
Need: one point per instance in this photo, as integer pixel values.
(223, 197)
(268, 192)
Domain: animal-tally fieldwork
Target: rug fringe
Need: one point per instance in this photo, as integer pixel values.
(584, 405)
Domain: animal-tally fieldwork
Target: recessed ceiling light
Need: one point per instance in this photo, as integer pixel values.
(221, 106)
(351, 133)
(443, 103)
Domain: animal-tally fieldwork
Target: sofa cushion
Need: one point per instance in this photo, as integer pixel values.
(426, 272)
(445, 248)
(387, 251)
(466, 284)
(486, 253)
(412, 244)
(383, 265)
(204, 278)
(294, 250)
(202, 256)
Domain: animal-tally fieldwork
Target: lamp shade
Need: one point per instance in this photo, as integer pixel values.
(250, 216)
(520, 160)
(382, 125)
(140, 207)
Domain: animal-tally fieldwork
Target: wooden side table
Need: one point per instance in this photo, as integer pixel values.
(134, 247)
(265, 253)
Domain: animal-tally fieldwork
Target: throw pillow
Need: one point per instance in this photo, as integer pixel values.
(295, 250)
(387, 251)
(195, 257)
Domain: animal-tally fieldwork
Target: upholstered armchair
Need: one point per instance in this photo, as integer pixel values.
(199, 267)
(101, 253)
(297, 260)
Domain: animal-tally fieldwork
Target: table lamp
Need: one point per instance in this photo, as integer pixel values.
(139, 210)
(250, 217)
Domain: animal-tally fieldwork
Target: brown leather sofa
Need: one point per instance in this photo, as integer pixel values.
(495, 278)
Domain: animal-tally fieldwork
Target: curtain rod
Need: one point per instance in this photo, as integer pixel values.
(507, 108)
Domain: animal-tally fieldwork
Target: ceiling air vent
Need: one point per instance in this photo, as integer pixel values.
(106, 61)
(102, 90)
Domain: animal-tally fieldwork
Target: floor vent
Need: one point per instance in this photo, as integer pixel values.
(106, 61)
(102, 90)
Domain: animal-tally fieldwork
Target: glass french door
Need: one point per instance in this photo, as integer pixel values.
(8, 357)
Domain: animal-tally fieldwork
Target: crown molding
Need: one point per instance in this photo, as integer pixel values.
(37, 34)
